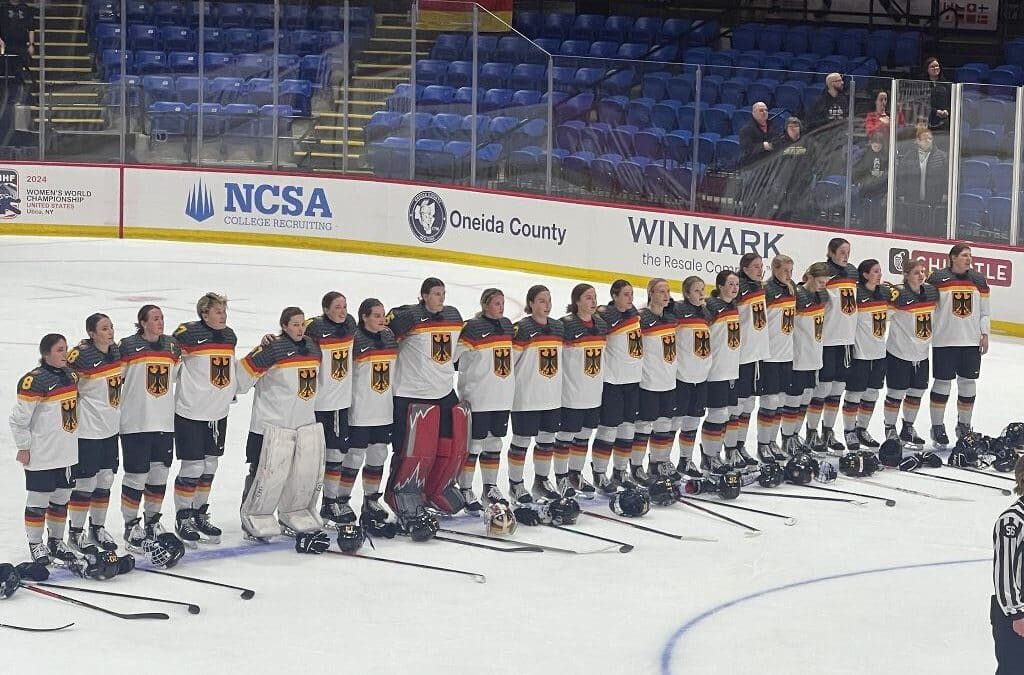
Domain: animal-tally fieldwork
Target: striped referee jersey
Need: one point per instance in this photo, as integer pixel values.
(1007, 572)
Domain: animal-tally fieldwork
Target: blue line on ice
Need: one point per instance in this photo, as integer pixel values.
(677, 636)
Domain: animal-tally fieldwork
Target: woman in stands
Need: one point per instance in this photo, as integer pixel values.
(657, 386)
(838, 337)
(693, 363)
(582, 383)
(487, 384)
(938, 102)
(879, 119)
(620, 395)
(537, 405)
(723, 404)
(867, 365)
(755, 347)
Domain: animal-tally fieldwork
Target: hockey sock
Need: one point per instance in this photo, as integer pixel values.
(350, 465)
(790, 415)
(805, 404)
(468, 473)
(911, 404)
(156, 486)
(938, 398)
(623, 445)
(766, 418)
(851, 406)
(661, 440)
(747, 406)
(604, 442)
(132, 486)
(891, 407)
(563, 448)
(867, 408)
(731, 430)
(57, 512)
(640, 440)
(373, 471)
(578, 449)
(543, 449)
(490, 460)
(517, 458)
(332, 480)
(831, 408)
(101, 497)
(814, 409)
(677, 424)
(712, 432)
(186, 482)
(965, 392)
(688, 437)
(202, 497)
(81, 496)
(35, 515)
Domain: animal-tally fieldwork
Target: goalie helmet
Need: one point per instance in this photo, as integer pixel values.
(801, 468)
(9, 580)
(826, 473)
(630, 502)
(663, 492)
(729, 485)
(350, 538)
(891, 453)
(166, 550)
(500, 520)
(770, 476)
(564, 511)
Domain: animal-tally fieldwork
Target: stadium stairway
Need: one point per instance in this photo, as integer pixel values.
(376, 70)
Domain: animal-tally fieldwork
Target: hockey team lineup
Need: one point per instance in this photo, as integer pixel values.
(566, 388)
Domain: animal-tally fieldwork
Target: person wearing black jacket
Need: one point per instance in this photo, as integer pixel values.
(938, 99)
(1007, 611)
(921, 176)
(793, 169)
(870, 175)
(755, 137)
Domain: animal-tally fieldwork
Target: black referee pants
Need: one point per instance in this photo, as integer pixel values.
(1009, 645)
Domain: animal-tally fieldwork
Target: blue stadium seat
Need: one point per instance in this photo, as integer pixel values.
(157, 88)
(971, 211)
(232, 14)
(663, 54)
(150, 62)
(303, 42)
(500, 129)
(293, 16)
(619, 81)
(420, 121)
(622, 140)
(526, 98)
(167, 120)
(264, 40)
(486, 47)
(574, 107)
(431, 71)
(906, 51)
(316, 68)
(494, 75)
(110, 62)
(739, 119)
(594, 137)
(138, 11)
(588, 78)
(645, 29)
(975, 174)
(665, 113)
(226, 90)
(574, 48)
(632, 51)
(999, 211)
(638, 113)
(169, 13)
(390, 157)
(681, 88)
(769, 39)
(616, 28)
(655, 85)
(331, 40)
(562, 77)
(528, 22)
(241, 123)
(717, 119)
(143, 36)
(496, 99)
(528, 76)
(1002, 178)
(327, 17)
(107, 36)
(603, 49)
(448, 46)
(733, 91)
(612, 109)
(761, 90)
(556, 25)
(262, 15)
(678, 145)
(213, 119)
(459, 74)
(727, 153)
(444, 126)
(436, 96)
(382, 124)
(587, 27)
(603, 171)
(240, 40)
(649, 143)
(983, 142)
(879, 46)
(513, 49)
(629, 174)
(674, 29)
(177, 38)
(744, 37)
(1006, 75)
(219, 63)
(252, 65)
(187, 88)
(298, 94)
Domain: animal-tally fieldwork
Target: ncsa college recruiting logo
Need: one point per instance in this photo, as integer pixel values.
(427, 217)
(199, 204)
(10, 196)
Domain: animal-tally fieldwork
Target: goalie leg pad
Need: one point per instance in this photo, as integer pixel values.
(411, 464)
(441, 490)
(264, 492)
(298, 507)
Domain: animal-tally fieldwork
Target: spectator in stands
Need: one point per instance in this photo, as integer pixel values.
(921, 176)
(755, 138)
(878, 119)
(793, 170)
(833, 105)
(870, 175)
(938, 101)
(18, 23)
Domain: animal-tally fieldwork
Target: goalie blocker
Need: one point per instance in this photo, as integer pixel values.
(424, 471)
(288, 480)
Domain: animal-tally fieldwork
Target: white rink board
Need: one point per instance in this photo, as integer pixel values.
(47, 194)
(530, 233)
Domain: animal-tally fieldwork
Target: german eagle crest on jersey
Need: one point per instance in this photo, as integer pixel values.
(114, 384)
(758, 315)
(819, 326)
(668, 348)
(339, 364)
(441, 347)
(733, 334)
(307, 383)
(547, 362)
(220, 371)
(847, 301)
(592, 361)
(502, 361)
(635, 344)
(963, 303)
(702, 344)
(69, 414)
(923, 325)
(788, 318)
(158, 378)
(380, 377)
(878, 323)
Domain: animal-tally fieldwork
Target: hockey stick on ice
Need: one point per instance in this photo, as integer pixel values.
(1005, 492)
(479, 578)
(247, 593)
(888, 502)
(623, 546)
(647, 529)
(553, 549)
(787, 520)
(984, 473)
(811, 498)
(35, 630)
(80, 603)
(499, 549)
(751, 531)
(192, 608)
(914, 492)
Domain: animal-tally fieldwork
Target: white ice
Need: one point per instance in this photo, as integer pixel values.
(666, 607)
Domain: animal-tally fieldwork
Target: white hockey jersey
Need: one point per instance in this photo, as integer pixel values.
(100, 380)
(285, 376)
(150, 375)
(44, 420)
(208, 376)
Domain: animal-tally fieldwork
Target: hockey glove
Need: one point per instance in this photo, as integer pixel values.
(312, 542)
(9, 580)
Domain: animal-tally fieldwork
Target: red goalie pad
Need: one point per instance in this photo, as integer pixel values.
(411, 467)
(441, 489)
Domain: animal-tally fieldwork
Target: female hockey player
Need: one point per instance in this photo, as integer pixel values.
(755, 347)
(693, 346)
(97, 363)
(44, 424)
(537, 404)
(777, 368)
(657, 386)
(723, 409)
(867, 366)
(487, 384)
(812, 299)
(582, 381)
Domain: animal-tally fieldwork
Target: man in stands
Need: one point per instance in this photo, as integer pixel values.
(793, 168)
(755, 147)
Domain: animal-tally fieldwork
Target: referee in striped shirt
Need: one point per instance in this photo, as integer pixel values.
(1007, 612)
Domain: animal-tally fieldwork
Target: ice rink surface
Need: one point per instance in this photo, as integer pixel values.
(849, 589)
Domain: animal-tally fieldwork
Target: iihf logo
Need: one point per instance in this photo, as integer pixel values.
(9, 194)
(199, 205)
(427, 217)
